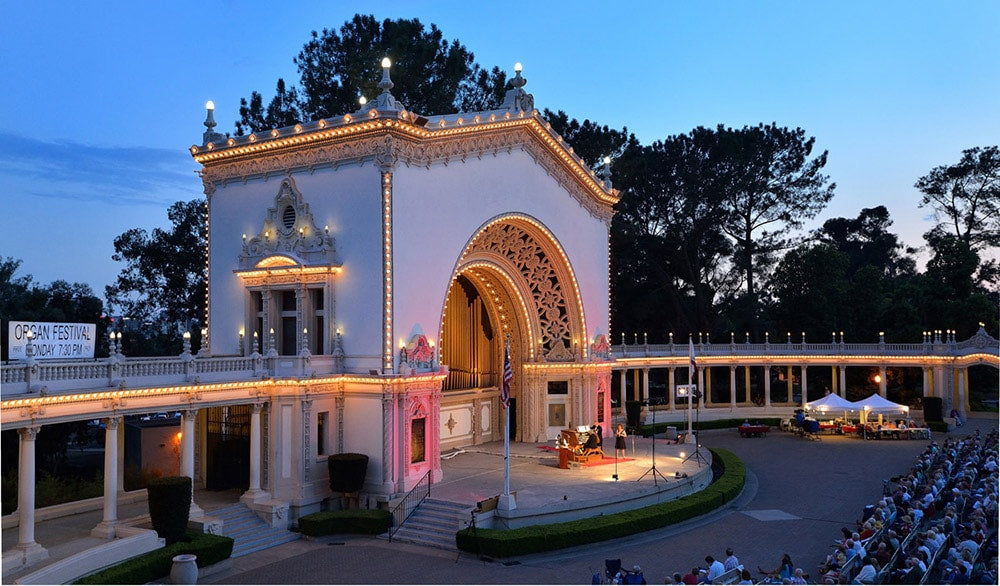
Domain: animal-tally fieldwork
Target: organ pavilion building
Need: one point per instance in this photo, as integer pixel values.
(376, 263)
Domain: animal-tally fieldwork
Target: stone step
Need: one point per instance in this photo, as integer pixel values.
(249, 532)
(433, 524)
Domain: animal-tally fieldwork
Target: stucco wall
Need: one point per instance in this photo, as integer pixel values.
(437, 211)
(348, 201)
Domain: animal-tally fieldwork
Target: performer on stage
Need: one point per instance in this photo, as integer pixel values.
(620, 441)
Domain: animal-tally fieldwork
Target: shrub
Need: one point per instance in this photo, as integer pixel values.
(347, 471)
(938, 426)
(538, 538)
(633, 411)
(155, 565)
(370, 521)
(660, 428)
(52, 490)
(169, 506)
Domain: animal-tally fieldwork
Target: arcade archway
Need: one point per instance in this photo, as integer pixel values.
(513, 279)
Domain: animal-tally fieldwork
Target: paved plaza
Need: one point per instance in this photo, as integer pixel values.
(799, 494)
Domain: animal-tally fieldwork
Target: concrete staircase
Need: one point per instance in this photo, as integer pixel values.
(248, 531)
(434, 524)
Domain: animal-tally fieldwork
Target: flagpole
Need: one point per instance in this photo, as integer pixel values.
(506, 452)
(692, 387)
(506, 500)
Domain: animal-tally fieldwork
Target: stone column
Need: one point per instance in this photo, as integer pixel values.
(788, 380)
(26, 545)
(255, 455)
(842, 381)
(701, 387)
(706, 397)
(645, 385)
(106, 528)
(805, 394)
(187, 454)
(767, 385)
(623, 375)
(635, 385)
(928, 389)
(940, 390)
(670, 388)
(882, 382)
(833, 379)
(732, 386)
(965, 403)
(961, 380)
(746, 380)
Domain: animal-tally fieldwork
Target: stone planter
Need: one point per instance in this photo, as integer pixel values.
(184, 570)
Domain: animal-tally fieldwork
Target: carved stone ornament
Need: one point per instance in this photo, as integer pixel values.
(289, 229)
(982, 340)
(600, 348)
(534, 264)
(516, 99)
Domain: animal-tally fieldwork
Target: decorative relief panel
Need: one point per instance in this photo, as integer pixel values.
(289, 228)
(520, 248)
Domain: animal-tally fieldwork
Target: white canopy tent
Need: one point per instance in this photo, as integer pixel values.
(831, 403)
(877, 404)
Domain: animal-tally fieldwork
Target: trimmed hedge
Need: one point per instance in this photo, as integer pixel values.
(347, 471)
(155, 565)
(370, 521)
(938, 426)
(661, 427)
(169, 506)
(501, 543)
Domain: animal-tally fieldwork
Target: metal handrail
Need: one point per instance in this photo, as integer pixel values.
(402, 511)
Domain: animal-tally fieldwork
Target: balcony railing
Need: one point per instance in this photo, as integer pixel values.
(932, 345)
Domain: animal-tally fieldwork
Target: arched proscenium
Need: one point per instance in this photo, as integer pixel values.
(528, 252)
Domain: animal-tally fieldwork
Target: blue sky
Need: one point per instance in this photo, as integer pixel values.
(102, 99)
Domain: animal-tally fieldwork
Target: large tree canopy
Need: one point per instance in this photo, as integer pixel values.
(771, 186)
(668, 254)
(164, 277)
(431, 75)
(867, 241)
(965, 198)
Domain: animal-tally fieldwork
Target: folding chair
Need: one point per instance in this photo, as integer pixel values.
(611, 568)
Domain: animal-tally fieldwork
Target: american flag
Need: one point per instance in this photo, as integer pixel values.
(693, 367)
(508, 375)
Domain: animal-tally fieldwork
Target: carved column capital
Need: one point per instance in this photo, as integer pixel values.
(28, 433)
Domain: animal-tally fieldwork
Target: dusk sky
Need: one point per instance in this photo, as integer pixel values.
(103, 99)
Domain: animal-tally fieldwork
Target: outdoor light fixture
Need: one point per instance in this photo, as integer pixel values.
(386, 64)
(362, 100)
(518, 67)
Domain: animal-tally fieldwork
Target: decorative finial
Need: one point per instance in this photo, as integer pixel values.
(516, 99)
(385, 101)
(386, 84)
(605, 173)
(210, 134)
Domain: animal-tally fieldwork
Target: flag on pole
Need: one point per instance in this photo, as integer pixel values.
(508, 375)
(693, 367)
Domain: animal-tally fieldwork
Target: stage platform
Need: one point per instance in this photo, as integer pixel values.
(546, 493)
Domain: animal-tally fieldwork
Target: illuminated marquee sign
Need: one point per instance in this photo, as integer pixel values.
(51, 340)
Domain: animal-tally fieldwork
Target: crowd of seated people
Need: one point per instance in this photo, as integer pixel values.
(936, 525)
